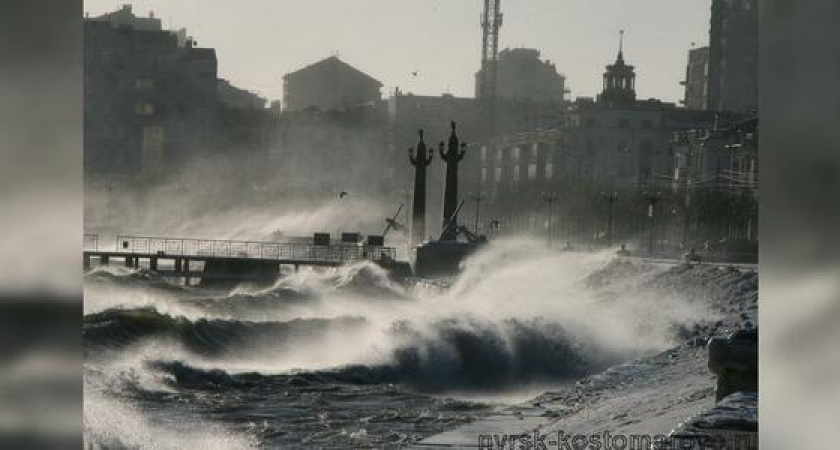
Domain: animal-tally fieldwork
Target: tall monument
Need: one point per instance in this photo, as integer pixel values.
(453, 155)
(420, 158)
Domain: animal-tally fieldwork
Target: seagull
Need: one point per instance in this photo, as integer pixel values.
(415, 72)
(342, 194)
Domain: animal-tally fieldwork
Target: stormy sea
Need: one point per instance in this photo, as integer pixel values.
(348, 358)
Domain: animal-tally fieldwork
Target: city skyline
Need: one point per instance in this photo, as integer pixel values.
(256, 50)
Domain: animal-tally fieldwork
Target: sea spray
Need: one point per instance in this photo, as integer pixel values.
(348, 339)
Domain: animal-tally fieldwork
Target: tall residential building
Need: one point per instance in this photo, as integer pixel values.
(697, 79)
(125, 17)
(154, 103)
(522, 75)
(733, 56)
(148, 100)
(329, 84)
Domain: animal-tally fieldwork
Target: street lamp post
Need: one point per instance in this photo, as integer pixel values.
(550, 198)
(652, 199)
(694, 144)
(611, 198)
(478, 197)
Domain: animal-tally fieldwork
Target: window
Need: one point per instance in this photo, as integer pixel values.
(497, 175)
(624, 148)
(144, 84)
(514, 154)
(514, 181)
(144, 109)
(483, 174)
(549, 171)
(532, 171)
(152, 145)
(535, 150)
(483, 153)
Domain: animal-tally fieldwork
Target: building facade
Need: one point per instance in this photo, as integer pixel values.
(327, 152)
(716, 182)
(723, 159)
(148, 100)
(697, 79)
(523, 75)
(234, 97)
(154, 104)
(125, 17)
(329, 84)
(733, 56)
(615, 144)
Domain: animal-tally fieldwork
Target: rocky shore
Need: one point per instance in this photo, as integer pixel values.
(704, 389)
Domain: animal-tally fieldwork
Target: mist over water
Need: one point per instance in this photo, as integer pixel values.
(219, 198)
(517, 316)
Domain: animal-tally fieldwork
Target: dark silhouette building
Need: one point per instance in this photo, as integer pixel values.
(148, 100)
(125, 17)
(733, 56)
(154, 103)
(697, 79)
(522, 75)
(234, 97)
(329, 84)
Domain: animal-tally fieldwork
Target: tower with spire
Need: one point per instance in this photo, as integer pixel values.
(619, 80)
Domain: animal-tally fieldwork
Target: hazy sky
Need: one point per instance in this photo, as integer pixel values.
(257, 41)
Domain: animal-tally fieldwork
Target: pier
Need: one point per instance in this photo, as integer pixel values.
(214, 261)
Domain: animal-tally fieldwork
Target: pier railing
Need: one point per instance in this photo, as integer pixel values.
(214, 248)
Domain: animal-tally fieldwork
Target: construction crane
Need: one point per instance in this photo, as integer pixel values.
(491, 23)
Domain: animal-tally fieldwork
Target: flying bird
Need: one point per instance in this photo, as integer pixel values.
(342, 194)
(415, 73)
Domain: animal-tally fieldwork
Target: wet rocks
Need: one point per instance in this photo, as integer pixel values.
(731, 423)
(734, 359)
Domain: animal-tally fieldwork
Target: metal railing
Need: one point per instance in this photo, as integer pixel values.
(295, 251)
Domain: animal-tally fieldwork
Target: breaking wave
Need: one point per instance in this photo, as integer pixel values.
(351, 339)
(453, 354)
(117, 329)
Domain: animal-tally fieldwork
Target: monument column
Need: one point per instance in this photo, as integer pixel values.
(420, 158)
(453, 155)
